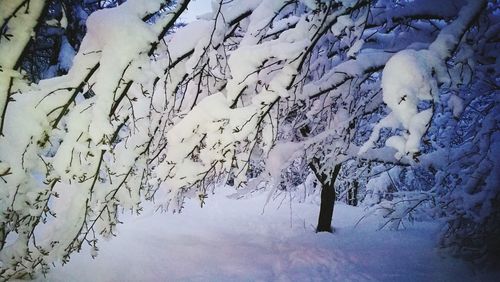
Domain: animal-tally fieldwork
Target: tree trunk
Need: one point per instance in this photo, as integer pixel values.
(326, 209)
(327, 196)
(352, 194)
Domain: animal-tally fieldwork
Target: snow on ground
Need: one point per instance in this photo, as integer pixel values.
(232, 240)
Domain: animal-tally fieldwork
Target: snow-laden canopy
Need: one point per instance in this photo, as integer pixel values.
(254, 91)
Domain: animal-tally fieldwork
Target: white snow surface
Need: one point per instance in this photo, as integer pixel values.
(232, 240)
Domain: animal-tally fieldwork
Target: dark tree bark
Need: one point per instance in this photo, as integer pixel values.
(352, 194)
(327, 195)
(326, 209)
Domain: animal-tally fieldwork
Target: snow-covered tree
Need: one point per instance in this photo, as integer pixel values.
(252, 92)
(62, 137)
(435, 95)
(57, 36)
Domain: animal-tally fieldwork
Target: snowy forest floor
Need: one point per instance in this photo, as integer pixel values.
(232, 240)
